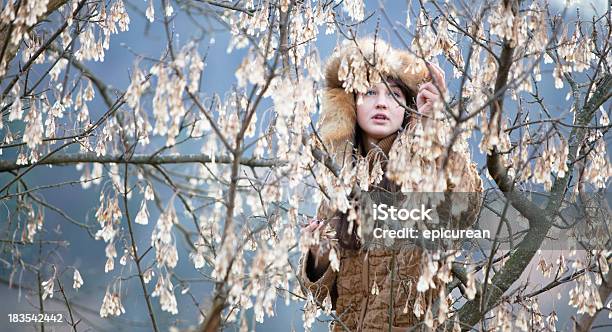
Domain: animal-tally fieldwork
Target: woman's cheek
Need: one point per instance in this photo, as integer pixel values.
(398, 117)
(362, 118)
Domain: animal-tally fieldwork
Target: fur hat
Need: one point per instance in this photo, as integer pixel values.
(347, 72)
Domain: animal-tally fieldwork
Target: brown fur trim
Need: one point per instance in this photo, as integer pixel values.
(413, 71)
(331, 72)
(339, 117)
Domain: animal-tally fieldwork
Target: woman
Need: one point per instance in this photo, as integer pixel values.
(373, 290)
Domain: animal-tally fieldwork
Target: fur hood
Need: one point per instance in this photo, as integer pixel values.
(347, 72)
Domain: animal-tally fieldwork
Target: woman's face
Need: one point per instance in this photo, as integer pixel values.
(378, 114)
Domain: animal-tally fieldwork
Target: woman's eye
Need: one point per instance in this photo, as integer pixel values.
(395, 93)
(370, 93)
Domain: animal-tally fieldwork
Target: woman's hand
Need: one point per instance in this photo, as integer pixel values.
(319, 252)
(432, 91)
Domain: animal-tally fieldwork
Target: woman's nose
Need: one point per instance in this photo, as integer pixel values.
(381, 101)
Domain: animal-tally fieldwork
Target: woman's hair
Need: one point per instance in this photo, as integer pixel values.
(351, 241)
(409, 97)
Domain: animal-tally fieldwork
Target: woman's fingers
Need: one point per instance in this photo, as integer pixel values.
(425, 101)
(426, 95)
(311, 226)
(314, 226)
(320, 226)
(426, 109)
(429, 86)
(438, 73)
(438, 76)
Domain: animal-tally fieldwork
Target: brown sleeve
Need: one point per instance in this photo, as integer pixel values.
(320, 287)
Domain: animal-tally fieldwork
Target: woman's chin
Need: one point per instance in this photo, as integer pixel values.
(376, 133)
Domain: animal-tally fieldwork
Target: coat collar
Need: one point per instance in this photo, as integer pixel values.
(383, 145)
(378, 152)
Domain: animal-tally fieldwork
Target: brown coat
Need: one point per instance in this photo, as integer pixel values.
(374, 290)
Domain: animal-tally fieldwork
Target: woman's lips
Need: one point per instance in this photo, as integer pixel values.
(380, 118)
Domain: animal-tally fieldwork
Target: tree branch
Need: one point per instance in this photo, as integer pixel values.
(470, 313)
(139, 159)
